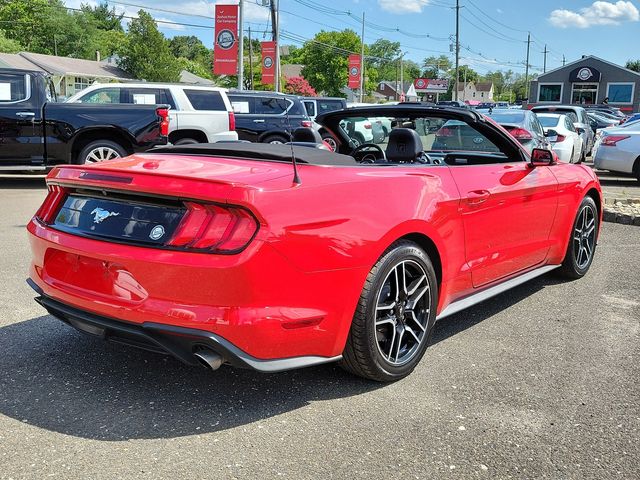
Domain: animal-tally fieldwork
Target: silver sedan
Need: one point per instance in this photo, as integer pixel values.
(618, 149)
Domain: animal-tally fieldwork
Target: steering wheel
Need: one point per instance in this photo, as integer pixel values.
(426, 159)
(369, 158)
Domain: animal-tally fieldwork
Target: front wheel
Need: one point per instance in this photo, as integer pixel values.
(582, 243)
(99, 151)
(275, 140)
(395, 315)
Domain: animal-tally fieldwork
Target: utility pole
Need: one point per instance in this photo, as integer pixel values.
(563, 60)
(362, 63)
(275, 19)
(544, 68)
(526, 68)
(240, 48)
(457, 47)
(402, 77)
(250, 60)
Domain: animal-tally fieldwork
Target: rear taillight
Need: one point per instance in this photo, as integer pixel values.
(163, 113)
(367, 125)
(612, 140)
(232, 121)
(520, 134)
(51, 203)
(215, 228)
(306, 123)
(560, 138)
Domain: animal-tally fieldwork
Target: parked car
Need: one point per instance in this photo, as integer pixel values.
(565, 139)
(618, 150)
(601, 122)
(633, 118)
(36, 132)
(580, 120)
(198, 114)
(606, 108)
(267, 117)
(248, 258)
(523, 125)
(452, 103)
(609, 116)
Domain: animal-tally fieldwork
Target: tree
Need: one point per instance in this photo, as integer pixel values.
(387, 55)
(435, 66)
(299, 86)
(324, 67)
(633, 65)
(105, 18)
(189, 47)
(146, 54)
(9, 46)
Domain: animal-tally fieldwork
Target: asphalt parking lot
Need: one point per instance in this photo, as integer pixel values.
(541, 382)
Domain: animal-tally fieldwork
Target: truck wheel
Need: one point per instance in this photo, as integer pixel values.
(395, 315)
(99, 151)
(186, 141)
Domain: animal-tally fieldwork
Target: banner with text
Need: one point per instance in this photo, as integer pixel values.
(226, 40)
(268, 62)
(431, 85)
(354, 71)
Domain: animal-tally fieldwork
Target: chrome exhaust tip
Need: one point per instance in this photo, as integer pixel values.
(209, 359)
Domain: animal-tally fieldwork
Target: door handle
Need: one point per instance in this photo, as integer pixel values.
(476, 197)
(258, 121)
(25, 114)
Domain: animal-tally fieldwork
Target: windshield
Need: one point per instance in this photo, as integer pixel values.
(549, 121)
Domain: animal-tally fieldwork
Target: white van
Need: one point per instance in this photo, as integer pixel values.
(197, 114)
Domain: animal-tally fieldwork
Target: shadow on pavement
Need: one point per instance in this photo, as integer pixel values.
(55, 378)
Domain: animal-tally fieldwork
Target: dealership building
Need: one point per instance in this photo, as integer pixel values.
(589, 80)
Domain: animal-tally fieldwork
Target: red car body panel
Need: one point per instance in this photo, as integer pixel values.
(292, 292)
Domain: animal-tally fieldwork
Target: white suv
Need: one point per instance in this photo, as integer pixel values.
(197, 114)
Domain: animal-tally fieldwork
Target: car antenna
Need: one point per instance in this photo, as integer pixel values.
(296, 177)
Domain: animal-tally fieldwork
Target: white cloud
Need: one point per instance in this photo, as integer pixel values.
(403, 6)
(598, 13)
(499, 10)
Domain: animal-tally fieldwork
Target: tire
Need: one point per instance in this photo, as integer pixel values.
(186, 141)
(327, 137)
(582, 241)
(375, 334)
(636, 171)
(99, 151)
(275, 139)
(357, 139)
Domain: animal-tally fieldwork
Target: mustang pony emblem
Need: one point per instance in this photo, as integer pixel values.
(99, 215)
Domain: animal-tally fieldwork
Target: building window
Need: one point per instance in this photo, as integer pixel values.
(550, 92)
(80, 83)
(584, 93)
(620, 93)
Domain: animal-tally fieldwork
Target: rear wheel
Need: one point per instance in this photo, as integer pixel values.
(327, 137)
(275, 139)
(101, 150)
(636, 170)
(582, 243)
(186, 141)
(395, 315)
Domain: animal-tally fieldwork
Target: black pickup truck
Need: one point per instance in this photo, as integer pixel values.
(37, 132)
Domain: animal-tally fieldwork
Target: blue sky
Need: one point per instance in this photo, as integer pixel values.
(493, 33)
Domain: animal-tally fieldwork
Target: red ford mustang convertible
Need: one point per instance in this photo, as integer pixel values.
(275, 257)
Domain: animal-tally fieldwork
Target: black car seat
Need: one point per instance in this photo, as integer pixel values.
(405, 146)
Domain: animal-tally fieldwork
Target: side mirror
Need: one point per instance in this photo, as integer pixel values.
(541, 157)
(580, 130)
(551, 135)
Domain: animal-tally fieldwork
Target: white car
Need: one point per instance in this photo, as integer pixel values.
(617, 149)
(197, 114)
(563, 135)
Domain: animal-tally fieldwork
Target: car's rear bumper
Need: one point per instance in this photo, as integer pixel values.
(180, 342)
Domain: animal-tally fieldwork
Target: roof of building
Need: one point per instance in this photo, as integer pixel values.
(392, 85)
(292, 70)
(55, 65)
(484, 86)
(587, 57)
(192, 79)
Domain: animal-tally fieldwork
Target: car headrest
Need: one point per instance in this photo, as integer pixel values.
(303, 134)
(404, 145)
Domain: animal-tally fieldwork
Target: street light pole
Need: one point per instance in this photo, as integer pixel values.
(362, 63)
(457, 47)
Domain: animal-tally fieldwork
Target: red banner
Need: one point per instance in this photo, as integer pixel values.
(354, 71)
(226, 40)
(268, 62)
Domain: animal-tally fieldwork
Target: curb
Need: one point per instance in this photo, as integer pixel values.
(625, 211)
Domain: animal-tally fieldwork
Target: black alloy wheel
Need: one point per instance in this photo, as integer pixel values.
(395, 315)
(583, 241)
